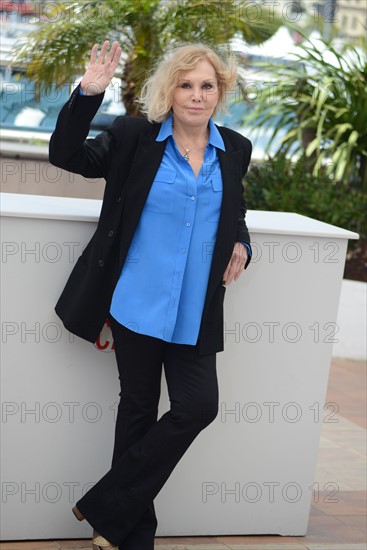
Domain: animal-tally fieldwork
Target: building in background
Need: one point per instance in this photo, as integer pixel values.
(348, 16)
(352, 19)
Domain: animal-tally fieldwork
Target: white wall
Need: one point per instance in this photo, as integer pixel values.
(352, 315)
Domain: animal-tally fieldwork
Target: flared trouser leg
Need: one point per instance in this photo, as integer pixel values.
(137, 412)
(119, 503)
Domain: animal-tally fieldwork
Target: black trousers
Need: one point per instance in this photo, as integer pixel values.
(146, 450)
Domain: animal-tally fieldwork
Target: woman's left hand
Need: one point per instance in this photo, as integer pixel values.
(236, 264)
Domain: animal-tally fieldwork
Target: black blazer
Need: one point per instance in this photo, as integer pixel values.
(128, 157)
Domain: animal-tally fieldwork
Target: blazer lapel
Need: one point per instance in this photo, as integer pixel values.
(147, 158)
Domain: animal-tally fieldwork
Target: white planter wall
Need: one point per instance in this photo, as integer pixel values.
(252, 470)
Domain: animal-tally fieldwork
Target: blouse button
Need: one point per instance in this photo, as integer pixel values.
(100, 263)
(118, 199)
(110, 233)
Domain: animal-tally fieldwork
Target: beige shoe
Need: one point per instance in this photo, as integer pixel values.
(100, 543)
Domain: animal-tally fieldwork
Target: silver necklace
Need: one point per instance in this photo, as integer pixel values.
(187, 151)
(186, 155)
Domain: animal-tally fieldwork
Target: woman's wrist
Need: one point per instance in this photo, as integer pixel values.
(90, 89)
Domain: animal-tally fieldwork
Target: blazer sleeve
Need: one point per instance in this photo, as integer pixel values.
(242, 231)
(69, 147)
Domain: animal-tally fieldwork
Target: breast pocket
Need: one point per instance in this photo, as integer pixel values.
(160, 197)
(214, 198)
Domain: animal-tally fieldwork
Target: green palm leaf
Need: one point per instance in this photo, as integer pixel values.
(328, 105)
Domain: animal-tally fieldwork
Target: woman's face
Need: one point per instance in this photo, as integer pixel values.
(196, 95)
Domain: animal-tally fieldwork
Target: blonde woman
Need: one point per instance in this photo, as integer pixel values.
(171, 236)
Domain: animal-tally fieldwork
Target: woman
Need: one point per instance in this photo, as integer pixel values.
(171, 235)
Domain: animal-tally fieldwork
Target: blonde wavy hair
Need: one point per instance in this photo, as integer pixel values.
(156, 96)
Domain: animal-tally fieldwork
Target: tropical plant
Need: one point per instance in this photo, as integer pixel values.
(280, 184)
(58, 50)
(321, 99)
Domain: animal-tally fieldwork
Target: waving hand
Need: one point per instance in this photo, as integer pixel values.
(101, 68)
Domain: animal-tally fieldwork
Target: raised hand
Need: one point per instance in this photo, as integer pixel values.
(100, 69)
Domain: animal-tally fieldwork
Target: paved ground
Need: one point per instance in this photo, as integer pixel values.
(337, 525)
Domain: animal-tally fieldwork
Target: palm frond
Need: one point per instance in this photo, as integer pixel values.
(328, 100)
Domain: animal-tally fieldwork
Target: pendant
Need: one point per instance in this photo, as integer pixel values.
(186, 155)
